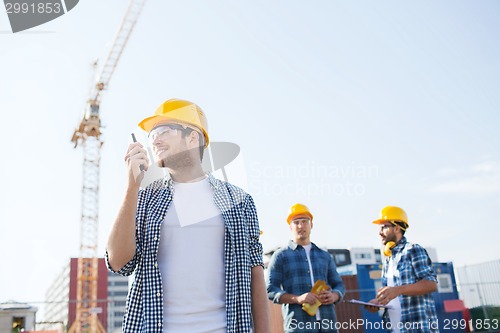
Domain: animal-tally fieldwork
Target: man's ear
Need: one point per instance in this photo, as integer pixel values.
(194, 137)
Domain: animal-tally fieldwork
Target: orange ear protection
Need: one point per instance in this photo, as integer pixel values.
(388, 248)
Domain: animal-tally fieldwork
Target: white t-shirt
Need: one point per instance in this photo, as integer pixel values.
(308, 255)
(191, 261)
(395, 304)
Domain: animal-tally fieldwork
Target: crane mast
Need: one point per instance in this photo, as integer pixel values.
(88, 135)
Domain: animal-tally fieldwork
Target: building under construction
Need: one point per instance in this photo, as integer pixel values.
(62, 300)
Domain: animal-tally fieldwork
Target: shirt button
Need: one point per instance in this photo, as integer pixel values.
(156, 264)
(156, 238)
(159, 324)
(158, 294)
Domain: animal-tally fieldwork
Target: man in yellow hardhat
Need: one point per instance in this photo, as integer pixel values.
(408, 278)
(295, 269)
(191, 239)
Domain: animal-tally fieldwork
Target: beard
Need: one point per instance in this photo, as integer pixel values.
(389, 238)
(180, 160)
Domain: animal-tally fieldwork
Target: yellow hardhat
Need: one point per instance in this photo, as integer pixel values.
(392, 214)
(178, 110)
(298, 209)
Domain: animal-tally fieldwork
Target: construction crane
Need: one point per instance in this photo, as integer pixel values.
(88, 135)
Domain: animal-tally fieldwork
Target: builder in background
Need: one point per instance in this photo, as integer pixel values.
(192, 240)
(408, 278)
(294, 270)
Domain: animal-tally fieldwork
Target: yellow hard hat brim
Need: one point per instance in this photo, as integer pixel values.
(147, 124)
(380, 221)
(292, 216)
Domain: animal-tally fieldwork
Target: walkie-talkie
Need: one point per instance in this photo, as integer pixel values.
(141, 167)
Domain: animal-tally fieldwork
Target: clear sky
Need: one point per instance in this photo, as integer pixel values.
(346, 106)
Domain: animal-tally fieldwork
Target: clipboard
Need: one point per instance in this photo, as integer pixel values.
(355, 301)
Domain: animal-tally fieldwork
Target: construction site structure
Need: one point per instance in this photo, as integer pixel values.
(88, 135)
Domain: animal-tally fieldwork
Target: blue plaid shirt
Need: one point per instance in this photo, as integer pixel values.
(413, 265)
(242, 251)
(288, 272)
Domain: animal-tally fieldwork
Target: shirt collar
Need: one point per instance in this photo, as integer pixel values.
(400, 245)
(211, 180)
(294, 246)
(214, 183)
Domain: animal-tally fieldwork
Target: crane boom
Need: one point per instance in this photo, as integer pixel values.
(121, 38)
(87, 134)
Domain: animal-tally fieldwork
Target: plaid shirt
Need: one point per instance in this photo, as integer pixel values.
(413, 265)
(288, 272)
(242, 251)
